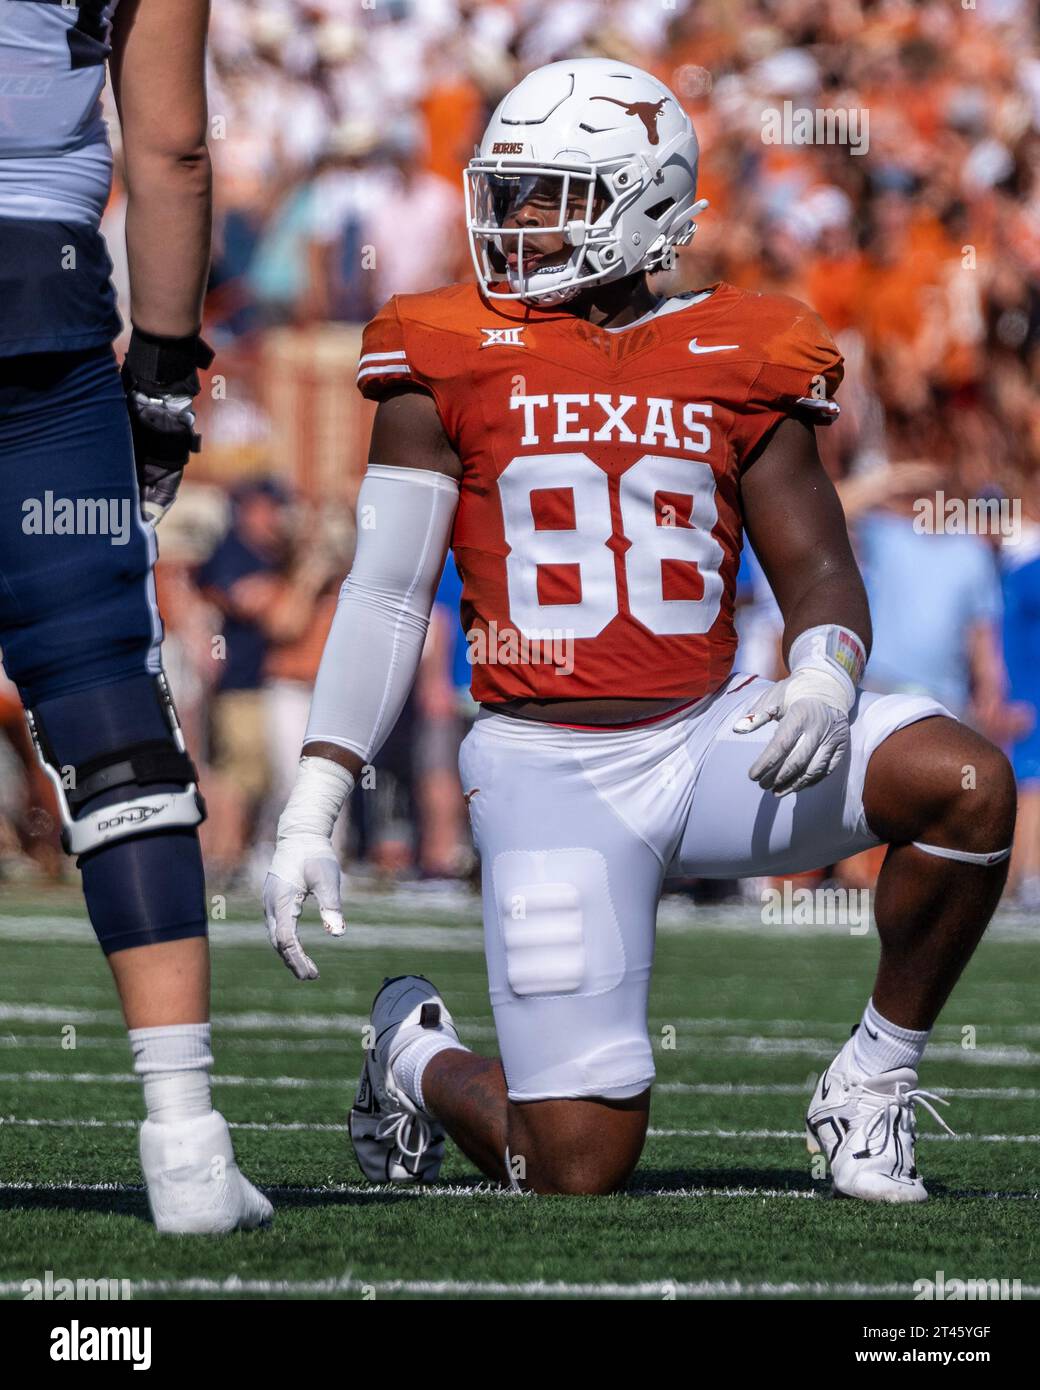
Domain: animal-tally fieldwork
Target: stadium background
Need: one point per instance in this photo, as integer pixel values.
(339, 132)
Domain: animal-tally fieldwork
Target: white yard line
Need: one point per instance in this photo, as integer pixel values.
(764, 1034)
(449, 1190)
(754, 1044)
(414, 936)
(758, 1046)
(794, 1088)
(420, 925)
(286, 1025)
(303, 1126)
(52, 1042)
(104, 1078)
(663, 1289)
(351, 1027)
(939, 1136)
(90, 1122)
(463, 1288)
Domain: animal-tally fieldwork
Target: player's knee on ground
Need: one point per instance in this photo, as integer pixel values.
(570, 1001)
(583, 1147)
(112, 747)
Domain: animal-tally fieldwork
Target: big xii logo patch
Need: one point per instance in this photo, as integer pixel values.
(503, 337)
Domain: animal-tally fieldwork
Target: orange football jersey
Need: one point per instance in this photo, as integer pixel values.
(599, 532)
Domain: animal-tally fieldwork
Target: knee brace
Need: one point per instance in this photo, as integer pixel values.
(137, 765)
(130, 807)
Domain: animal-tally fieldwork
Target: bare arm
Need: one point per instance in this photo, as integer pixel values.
(407, 433)
(158, 77)
(796, 524)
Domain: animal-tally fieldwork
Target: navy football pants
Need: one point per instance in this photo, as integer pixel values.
(79, 626)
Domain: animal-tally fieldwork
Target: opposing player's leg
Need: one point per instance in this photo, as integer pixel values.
(570, 896)
(81, 634)
(944, 798)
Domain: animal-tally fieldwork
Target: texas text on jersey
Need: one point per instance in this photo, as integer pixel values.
(599, 530)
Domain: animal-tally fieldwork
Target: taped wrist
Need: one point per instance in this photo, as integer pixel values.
(828, 661)
(161, 382)
(159, 365)
(317, 797)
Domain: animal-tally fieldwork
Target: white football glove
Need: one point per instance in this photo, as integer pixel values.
(811, 707)
(304, 862)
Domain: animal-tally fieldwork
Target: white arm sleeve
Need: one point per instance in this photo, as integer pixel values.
(372, 652)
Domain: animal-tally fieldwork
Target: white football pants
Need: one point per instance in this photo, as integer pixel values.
(576, 831)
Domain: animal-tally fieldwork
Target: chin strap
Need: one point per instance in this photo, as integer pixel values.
(963, 856)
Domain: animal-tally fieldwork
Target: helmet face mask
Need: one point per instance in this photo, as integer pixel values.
(564, 193)
(513, 210)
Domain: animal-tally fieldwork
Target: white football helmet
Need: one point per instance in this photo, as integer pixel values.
(611, 148)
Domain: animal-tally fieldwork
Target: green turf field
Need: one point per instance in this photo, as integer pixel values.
(723, 1204)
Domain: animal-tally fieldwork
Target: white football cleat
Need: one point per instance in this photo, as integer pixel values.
(866, 1127)
(195, 1187)
(393, 1140)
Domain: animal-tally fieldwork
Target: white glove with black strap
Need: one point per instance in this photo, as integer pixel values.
(811, 707)
(304, 861)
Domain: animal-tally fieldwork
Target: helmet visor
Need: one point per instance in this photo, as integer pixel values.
(533, 224)
(538, 200)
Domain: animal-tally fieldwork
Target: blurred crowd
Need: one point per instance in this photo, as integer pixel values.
(339, 132)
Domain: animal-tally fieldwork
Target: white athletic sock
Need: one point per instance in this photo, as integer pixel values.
(412, 1061)
(174, 1062)
(878, 1045)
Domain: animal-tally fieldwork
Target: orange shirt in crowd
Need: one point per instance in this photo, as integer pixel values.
(298, 660)
(834, 288)
(453, 112)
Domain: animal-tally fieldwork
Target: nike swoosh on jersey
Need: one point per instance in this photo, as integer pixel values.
(716, 347)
